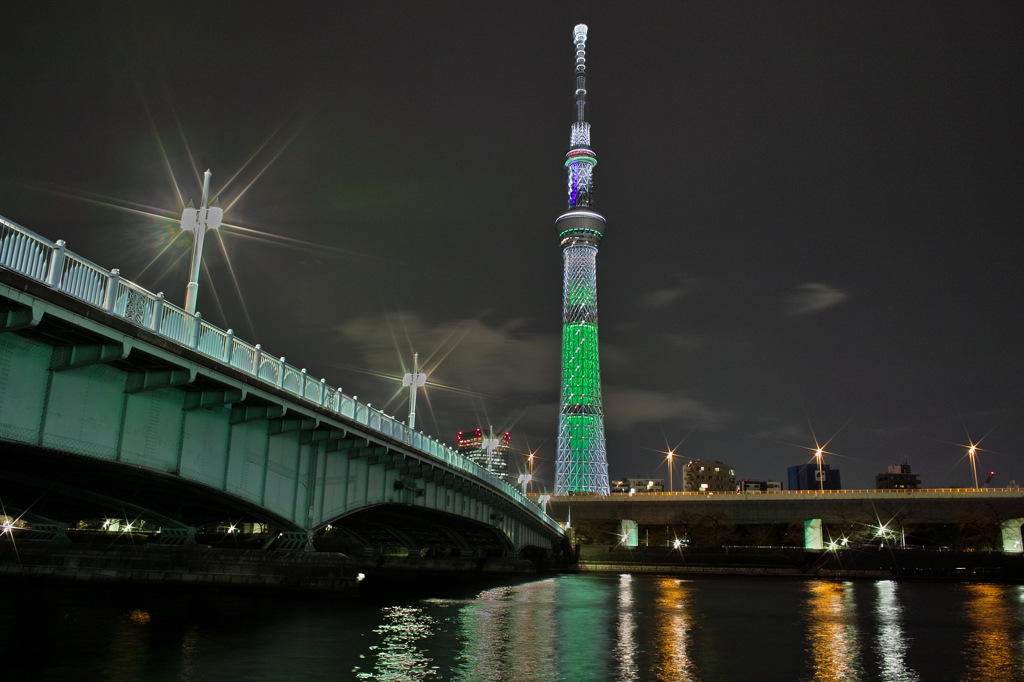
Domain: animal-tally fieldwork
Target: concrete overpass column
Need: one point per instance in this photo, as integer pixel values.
(1011, 536)
(629, 533)
(812, 534)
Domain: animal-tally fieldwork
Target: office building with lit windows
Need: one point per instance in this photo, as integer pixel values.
(489, 451)
(708, 476)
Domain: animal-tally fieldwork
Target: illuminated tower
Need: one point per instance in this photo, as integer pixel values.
(581, 465)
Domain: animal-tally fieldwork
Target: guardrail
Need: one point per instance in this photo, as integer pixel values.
(788, 493)
(50, 263)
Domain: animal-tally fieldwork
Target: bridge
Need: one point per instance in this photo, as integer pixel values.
(117, 405)
(825, 514)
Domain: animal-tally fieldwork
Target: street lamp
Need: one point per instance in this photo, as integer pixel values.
(198, 221)
(974, 465)
(529, 461)
(669, 458)
(821, 479)
(414, 381)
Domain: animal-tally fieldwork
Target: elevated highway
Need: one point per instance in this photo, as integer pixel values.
(999, 510)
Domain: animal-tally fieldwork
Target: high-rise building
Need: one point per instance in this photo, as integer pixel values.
(581, 464)
(810, 477)
(489, 451)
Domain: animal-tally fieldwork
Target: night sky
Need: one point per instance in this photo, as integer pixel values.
(814, 209)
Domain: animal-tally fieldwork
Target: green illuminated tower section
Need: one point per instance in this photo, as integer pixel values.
(581, 464)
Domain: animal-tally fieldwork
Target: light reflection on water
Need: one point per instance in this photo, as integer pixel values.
(400, 655)
(626, 644)
(674, 639)
(891, 643)
(628, 628)
(832, 631)
(508, 633)
(990, 650)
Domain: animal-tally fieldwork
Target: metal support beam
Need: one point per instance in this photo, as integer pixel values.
(250, 413)
(150, 380)
(70, 357)
(185, 535)
(342, 446)
(195, 400)
(278, 426)
(322, 436)
(291, 540)
(14, 319)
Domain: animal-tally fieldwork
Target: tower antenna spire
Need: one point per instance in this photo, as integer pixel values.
(581, 464)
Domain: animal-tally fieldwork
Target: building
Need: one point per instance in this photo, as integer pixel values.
(810, 477)
(707, 476)
(898, 477)
(638, 485)
(752, 486)
(581, 464)
(490, 451)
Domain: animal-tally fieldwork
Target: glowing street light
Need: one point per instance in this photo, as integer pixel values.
(198, 221)
(974, 464)
(529, 460)
(414, 380)
(821, 479)
(668, 456)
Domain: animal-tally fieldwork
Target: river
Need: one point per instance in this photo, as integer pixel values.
(571, 627)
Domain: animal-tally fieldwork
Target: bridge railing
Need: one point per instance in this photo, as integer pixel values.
(50, 263)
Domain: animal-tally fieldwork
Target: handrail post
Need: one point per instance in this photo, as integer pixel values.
(229, 346)
(302, 391)
(323, 391)
(196, 333)
(258, 360)
(158, 312)
(56, 265)
(280, 374)
(112, 283)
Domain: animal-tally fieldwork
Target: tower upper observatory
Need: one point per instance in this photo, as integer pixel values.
(581, 464)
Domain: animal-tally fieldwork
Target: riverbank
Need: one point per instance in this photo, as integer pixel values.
(864, 562)
(295, 570)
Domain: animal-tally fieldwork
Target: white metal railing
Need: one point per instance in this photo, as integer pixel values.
(31, 255)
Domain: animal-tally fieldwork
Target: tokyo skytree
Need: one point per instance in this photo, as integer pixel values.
(581, 464)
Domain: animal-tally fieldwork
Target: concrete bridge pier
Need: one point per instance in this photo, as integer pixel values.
(812, 535)
(629, 536)
(1010, 529)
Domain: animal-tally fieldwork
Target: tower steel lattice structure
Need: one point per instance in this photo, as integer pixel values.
(582, 463)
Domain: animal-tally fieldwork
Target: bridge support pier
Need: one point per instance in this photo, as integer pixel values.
(1010, 530)
(629, 534)
(812, 535)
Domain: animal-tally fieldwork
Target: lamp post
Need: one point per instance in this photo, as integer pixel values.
(414, 381)
(974, 465)
(198, 221)
(821, 479)
(669, 458)
(529, 461)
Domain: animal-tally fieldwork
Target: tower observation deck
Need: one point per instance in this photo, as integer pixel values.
(581, 464)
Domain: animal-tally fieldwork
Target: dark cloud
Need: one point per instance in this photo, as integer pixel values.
(813, 209)
(813, 298)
